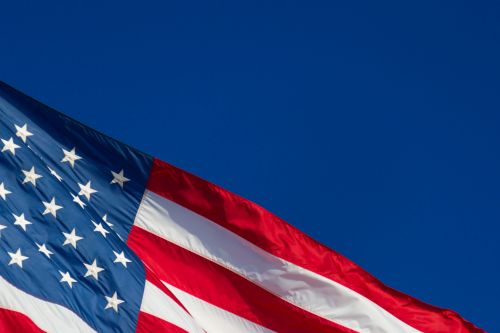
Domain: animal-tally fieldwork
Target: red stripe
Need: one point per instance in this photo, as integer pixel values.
(15, 322)
(147, 323)
(279, 238)
(216, 285)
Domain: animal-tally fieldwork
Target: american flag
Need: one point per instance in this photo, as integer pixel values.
(96, 236)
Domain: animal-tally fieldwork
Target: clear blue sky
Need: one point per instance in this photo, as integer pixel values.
(372, 126)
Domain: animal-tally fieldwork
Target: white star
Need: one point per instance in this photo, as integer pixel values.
(1, 228)
(86, 190)
(120, 257)
(10, 146)
(31, 176)
(113, 302)
(70, 157)
(119, 178)
(53, 173)
(67, 278)
(71, 238)
(105, 219)
(22, 132)
(78, 200)
(3, 191)
(100, 228)
(93, 270)
(42, 248)
(17, 258)
(51, 207)
(21, 221)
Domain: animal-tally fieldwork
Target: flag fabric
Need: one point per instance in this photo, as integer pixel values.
(96, 236)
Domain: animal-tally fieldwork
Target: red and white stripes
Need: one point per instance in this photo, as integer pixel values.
(20, 310)
(236, 267)
(160, 309)
(216, 262)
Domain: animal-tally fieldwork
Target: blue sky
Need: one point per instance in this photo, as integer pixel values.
(372, 126)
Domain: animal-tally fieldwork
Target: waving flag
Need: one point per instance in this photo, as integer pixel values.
(96, 236)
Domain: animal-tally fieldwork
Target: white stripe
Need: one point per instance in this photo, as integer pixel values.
(50, 317)
(160, 305)
(214, 319)
(306, 289)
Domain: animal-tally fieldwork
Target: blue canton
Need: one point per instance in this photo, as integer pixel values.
(68, 199)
